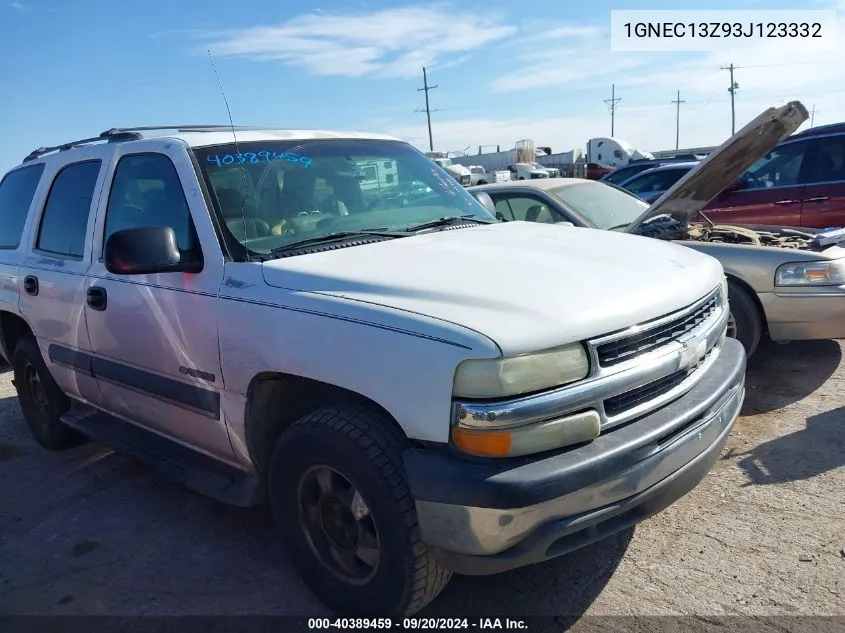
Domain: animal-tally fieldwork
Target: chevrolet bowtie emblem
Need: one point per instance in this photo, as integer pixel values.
(693, 351)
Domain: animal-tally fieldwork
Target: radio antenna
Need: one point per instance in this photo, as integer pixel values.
(237, 148)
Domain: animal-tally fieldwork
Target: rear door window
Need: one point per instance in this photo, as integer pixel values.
(16, 193)
(65, 220)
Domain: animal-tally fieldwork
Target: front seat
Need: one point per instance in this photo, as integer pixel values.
(297, 192)
(533, 212)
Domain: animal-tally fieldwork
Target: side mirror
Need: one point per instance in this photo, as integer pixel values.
(735, 185)
(486, 201)
(146, 251)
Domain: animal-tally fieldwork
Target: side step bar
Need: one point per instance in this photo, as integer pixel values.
(194, 470)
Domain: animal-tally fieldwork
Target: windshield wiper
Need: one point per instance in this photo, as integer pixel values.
(337, 236)
(450, 219)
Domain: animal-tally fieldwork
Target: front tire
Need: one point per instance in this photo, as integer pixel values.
(340, 497)
(745, 323)
(42, 401)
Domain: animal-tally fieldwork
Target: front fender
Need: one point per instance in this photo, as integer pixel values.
(405, 362)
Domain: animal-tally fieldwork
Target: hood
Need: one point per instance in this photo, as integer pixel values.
(687, 197)
(525, 286)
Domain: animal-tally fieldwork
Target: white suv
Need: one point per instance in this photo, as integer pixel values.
(331, 322)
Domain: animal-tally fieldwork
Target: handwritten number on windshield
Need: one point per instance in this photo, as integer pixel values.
(255, 158)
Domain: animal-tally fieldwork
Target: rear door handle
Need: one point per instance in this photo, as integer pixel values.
(787, 202)
(97, 298)
(30, 285)
(817, 199)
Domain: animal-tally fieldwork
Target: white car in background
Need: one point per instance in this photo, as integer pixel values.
(458, 172)
(480, 176)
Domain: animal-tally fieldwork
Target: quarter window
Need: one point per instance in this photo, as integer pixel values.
(65, 220)
(16, 193)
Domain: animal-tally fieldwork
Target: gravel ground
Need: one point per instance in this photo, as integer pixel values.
(89, 531)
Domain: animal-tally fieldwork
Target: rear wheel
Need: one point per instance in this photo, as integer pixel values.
(341, 500)
(744, 322)
(41, 400)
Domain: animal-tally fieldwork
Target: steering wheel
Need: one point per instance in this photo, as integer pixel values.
(283, 228)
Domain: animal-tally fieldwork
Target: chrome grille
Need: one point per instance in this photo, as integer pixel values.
(620, 350)
(630, 399)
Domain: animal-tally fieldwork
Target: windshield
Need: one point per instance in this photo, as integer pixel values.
(274, 193)
(603, 206)
(444, 162)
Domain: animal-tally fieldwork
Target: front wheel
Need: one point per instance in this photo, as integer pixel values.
(339, 495)
(744, 321)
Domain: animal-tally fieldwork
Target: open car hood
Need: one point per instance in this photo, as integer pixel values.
(687, 197)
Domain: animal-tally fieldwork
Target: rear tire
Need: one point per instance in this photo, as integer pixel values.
(745, 323)
(340, 497)
(42, 401)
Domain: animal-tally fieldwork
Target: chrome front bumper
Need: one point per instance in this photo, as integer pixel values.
(486, 518)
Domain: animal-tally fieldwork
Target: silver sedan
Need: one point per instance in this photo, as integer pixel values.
(787, 282)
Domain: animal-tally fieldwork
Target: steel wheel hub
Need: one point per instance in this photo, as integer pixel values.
(338, 526)
(36, 389)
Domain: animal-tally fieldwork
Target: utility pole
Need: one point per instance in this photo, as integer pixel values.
(611, 105)
(813, 115)
(734, 87)
(678, 103)
(427, 110)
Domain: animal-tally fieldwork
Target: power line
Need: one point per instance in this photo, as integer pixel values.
(733, 88)
(678, 103)
(426, 88)
(798, 63)
(611, 104)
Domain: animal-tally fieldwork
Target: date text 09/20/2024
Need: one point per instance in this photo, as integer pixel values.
(414, 624)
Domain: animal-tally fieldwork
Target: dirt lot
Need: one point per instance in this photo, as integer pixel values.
(89, 531)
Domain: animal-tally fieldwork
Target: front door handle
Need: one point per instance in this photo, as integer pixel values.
(817, 199)
(97, 298)
(787, 202)
(30, 285)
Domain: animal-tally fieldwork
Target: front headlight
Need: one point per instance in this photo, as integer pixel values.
(504, 377)
(820, 273)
